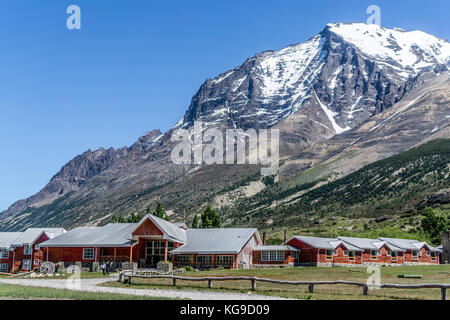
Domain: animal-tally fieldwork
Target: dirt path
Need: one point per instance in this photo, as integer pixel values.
(91, 285)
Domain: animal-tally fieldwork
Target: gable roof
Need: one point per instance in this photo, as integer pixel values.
(216, 241)
(7, 238)
(111, 235)
(30, 235)
(408, 244)
(325, 243)
(369, 244)
(171, 231)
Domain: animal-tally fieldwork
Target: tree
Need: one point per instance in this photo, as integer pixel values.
(121, 219)
(195, 222)
(114, 219)
(210, 218)
(159, 212)
(434, 224)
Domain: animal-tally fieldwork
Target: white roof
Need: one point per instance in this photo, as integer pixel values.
(408, 244)
(369, 244)
(324, 243)
(111, 235)
(7, 238)
(170, 230)
(30, 235)
(216, 241)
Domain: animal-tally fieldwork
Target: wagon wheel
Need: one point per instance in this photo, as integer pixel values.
(47, 268)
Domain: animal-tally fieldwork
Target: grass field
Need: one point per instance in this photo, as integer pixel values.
(8, 291)
(431, 274)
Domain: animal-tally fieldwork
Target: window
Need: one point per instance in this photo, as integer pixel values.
(388, 252)
(27, 250)
(351, 255)
(36, 262)
(5, 254)
(433, 256)
(224, 261)
(294, 255)
(428, 253)
(394, 255)
(373, 254)
(345, 253)
(414, 254)
(88, 254)
(272, 255)
(204, 260)
(329, 254)
(4, 267)
(37, 247)
(26, 264)
(183, 259)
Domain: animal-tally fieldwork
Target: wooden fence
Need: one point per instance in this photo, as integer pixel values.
(127, 276)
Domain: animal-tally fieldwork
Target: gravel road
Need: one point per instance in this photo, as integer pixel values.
(91, 285)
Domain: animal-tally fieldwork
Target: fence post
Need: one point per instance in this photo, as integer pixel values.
(174, 282)
(311, 288)
(365, 290)
(210, 284)
(253, 284)
(444, 293)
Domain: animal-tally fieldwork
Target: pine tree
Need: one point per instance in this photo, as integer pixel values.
(210, 218)
(159, 212)
(121, 219)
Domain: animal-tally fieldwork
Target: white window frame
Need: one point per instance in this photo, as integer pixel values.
(87, 255)
(273, 255)
(4, 254)
(26, 264)
(27, 250)
(389, 253)
(346, 253)
(36, 262)
(4, 267)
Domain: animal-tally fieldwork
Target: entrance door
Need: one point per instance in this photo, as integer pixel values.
(154, 252)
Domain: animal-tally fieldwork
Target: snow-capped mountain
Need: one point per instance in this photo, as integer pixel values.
(348, 81)
(349, 71)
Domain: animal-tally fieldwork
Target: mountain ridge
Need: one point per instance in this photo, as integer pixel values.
(312, 91)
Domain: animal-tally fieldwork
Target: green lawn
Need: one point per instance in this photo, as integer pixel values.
(8, 291)
(431, 274)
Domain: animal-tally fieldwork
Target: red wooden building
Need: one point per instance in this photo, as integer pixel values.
(21, 250)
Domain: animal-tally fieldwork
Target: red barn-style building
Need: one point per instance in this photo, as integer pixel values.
(342, 251)
(21, 251)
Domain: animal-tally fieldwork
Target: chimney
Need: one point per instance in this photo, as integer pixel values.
(284, 237)
(264, 238)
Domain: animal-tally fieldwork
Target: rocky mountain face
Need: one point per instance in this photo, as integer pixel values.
(341, 90)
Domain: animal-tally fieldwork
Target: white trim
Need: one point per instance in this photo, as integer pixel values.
(4, 254)
(85, 251)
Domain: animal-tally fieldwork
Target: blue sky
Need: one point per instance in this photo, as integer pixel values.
(135, 65)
